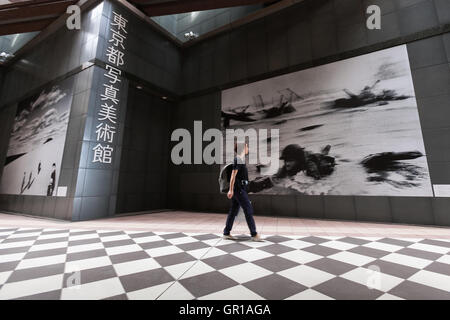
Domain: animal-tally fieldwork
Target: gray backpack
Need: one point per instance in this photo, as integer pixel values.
(224, 178)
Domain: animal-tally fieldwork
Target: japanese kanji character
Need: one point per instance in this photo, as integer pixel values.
(113, 73)
(105, 132)
(117, 39)
(102, 154)
(110, 93)
(107, 112)
(115, 56)
(119, 21)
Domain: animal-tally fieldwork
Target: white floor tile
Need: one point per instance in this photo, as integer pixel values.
(306, 276)
(388, 296)
(309, 294)
(332, 238)
(4, 276)
(409, 239)
(430, 248)
(103, 231)
(245, 272)
(41, 261)
(162, 232)
(85, 264)
(24, 235)
(214, 242)
(83, 236)
(238, 292)
(214, 252)
(163, 251)
(106, 239)
(48, 246)
(25, 288)
(149, 293)
(256, 244)
(94, 290)
(182, 240)
(85, 247)
(198, 253)
(376, 280)
(432, 279)
(339, 245)
(177, 270)
(300, 256)
(53, 236)
(9, 245)
(407, 260)
(147, 239)
(444, 259)
(351, 258)
(382, 246)
(133, 231)
(297, 244)
(135, 266)
(199, 268)
(176, 292)
(123, 249)
(370, 238)
(251, 254)
(13, 257)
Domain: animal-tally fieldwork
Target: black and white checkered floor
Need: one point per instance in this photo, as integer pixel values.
(95, 264)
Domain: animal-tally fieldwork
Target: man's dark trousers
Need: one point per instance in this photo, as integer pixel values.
(240, 199)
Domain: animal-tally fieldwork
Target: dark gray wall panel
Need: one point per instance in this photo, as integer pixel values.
(339, 207)
(427, 52)
(142, 179)
(283, 206)
(316, 32)
(440, 172)
(443, 10)
(373, 209)
(434, 111)
(416, 16)
(432, 81)
(261, 204)
(441, 211)
(412, 210)
(310, 207)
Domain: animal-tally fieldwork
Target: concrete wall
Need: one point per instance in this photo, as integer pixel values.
(92, 187)
(57, 58)
(306, 35)
(54, 58)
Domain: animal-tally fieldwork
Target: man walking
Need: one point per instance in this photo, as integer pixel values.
(238, 194)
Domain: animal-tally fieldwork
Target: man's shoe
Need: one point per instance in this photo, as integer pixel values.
(229, 237)
(257, 238)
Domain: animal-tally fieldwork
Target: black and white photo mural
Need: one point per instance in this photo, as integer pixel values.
(36, 145)
(346, 128)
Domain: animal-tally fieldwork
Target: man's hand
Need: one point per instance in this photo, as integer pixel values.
(230, 194)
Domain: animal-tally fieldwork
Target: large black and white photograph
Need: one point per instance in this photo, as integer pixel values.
(36, 145)
(350, 127)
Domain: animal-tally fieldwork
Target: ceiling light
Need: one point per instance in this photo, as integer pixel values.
(190, 35)
(4, 56)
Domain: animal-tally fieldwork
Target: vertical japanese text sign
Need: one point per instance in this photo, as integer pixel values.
(110, 92)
